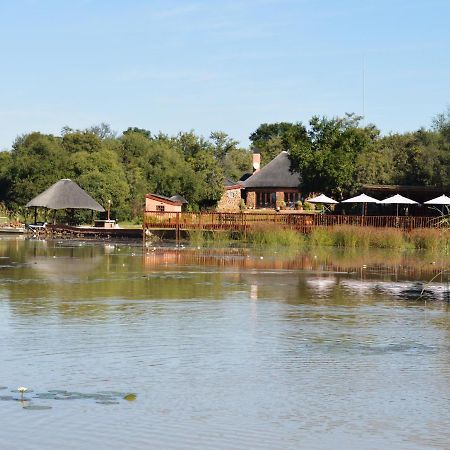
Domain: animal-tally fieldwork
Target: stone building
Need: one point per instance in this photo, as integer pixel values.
(272, 186)
(231, 198)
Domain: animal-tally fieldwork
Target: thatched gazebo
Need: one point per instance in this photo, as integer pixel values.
(64, 194)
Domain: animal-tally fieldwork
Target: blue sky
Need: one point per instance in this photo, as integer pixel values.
(207, 65)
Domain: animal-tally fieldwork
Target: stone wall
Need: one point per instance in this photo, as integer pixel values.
(230, 201)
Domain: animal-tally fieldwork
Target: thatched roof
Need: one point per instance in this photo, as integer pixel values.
(178, 198)
(65, 194)
(275, 174)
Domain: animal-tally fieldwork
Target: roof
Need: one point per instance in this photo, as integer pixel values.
(229, 184)
(164, 199)
(276, 173)
(178, 198)
(65, 194)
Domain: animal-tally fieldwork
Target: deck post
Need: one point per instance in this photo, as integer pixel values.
(177, 233)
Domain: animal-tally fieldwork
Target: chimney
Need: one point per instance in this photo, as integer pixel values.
(256, 162)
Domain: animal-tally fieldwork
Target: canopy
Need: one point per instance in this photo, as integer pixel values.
(442, 200)
(65, 194)
(322, 199)
(362, 198)
(398, 199)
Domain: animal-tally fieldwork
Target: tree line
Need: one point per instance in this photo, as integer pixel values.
(335, 156)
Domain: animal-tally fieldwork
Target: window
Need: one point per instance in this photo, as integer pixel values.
(291, 198)
(160, 208)
(265, 199)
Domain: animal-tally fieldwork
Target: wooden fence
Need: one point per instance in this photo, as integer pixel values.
(297, 221)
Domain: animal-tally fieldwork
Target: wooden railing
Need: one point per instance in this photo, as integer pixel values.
(298, 221)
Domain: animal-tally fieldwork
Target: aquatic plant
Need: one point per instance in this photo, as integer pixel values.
(22, 390)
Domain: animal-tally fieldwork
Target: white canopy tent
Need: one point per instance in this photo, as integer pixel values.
(398, 199)
(362, 198)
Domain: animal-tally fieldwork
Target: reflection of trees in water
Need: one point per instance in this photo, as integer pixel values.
(79, 280)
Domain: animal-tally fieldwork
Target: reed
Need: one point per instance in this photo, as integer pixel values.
(430, 239)
(354, 237)
(272, 236)
(205, 237)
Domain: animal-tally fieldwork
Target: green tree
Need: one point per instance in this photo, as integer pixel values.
(326, 157)
(271, 139)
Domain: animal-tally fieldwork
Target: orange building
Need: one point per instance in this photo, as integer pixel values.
(156, 202)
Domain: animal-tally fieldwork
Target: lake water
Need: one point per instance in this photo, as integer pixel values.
(231, 349)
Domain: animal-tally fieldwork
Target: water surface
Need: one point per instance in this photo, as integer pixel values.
(229, 350)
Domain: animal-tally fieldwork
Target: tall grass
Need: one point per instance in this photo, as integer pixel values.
(352, 237)
(272, 236)
(344, 236)
(430, 239)
(204, 237)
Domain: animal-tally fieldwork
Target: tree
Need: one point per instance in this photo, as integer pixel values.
(222, 144)
(271, 139)
(81, 141)
(326, 157)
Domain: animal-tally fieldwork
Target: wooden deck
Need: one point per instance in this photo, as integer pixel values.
(304, 223)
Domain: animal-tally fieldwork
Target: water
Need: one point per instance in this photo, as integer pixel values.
(226, 350)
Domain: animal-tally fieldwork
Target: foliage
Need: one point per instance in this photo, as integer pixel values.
(326, 157)
(333, 155)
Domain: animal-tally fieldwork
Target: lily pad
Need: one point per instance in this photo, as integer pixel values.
(46, 396)
(130, 397)
(37, 407)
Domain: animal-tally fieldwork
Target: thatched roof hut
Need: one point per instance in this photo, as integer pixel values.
(276, 174)
(65, 194)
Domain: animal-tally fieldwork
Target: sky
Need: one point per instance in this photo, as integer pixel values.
(209, 65)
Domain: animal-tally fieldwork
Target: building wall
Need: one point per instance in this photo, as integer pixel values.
(272, 197)
(230, 201)
(152, 205)
(251, 200)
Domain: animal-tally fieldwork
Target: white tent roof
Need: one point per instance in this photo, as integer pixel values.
(442, 200)
(399, 200)
(362, 198)
(321, 199)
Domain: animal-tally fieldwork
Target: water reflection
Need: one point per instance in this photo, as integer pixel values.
(226, 349)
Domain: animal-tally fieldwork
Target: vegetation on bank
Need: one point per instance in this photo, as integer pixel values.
(333, 155)
(343, 236)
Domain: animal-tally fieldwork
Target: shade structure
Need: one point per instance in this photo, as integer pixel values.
(442, 200)
(322, 199)
(398, 199)
(65, 194)
(362, 198)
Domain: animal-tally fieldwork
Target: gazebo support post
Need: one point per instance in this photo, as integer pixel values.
(35, 215)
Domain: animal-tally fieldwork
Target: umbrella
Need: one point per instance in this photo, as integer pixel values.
(398, 199)
(322, 199)
(362, 198)
(442, 200)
